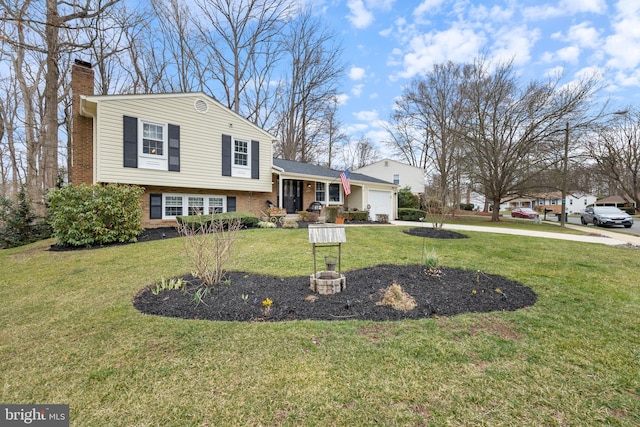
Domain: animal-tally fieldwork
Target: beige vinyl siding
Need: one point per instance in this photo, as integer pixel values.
(200, 142)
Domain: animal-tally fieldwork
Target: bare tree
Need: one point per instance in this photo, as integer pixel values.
(408, 142)
(432, 104)
(313, 60)
(331, 135)
(360, 154)
(616, 152)
(506, 127)
(52, 33)
(240, 34)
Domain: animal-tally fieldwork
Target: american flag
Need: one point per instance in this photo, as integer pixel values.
(346, 185)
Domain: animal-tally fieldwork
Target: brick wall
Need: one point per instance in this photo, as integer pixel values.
(253, 202)
(82, 83)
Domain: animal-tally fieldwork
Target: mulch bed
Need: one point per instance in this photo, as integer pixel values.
(452, 292)
(240, 298)
(434, 233)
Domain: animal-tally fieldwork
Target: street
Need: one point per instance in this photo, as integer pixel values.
(635, 228)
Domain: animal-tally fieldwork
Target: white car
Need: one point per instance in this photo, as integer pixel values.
(605, 216)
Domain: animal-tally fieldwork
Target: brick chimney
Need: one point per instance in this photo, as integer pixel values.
(82, 83)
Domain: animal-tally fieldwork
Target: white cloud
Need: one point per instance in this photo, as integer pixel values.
(366, 116)
(565, 8)
(568, 54)
(359, 16)
(515, 43)
(554, 72)
(426, 7)
(357, 90)
(582, 6)
(585, 35)
(622, 45)
(458, 43)
(357, 73)
(342, 98)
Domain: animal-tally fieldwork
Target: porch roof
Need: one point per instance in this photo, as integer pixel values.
(315, 171)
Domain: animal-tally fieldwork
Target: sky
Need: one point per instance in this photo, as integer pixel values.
(387, 43)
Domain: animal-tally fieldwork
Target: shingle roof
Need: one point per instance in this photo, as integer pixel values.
(292, 166)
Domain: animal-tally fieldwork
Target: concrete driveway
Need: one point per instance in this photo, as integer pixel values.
(599, 235)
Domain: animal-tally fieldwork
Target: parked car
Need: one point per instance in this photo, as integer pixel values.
(524, 213)
(605, 216)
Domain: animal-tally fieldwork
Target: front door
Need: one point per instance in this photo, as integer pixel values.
(292, 195)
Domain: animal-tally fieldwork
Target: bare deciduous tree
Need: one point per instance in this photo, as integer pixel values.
(616, 152)
(506, 127)
(313, 60)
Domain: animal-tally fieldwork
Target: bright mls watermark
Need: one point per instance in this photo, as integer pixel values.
(34, 415)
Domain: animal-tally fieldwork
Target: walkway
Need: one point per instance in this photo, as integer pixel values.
(592, 235)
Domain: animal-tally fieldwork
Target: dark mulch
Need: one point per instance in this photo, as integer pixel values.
(434, 233)
(453, 292)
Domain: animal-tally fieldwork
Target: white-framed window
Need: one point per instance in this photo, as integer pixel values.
(172, 206)
(335, 193)
(216, 204)
(196, 205)
(396, 179)
(192, 204)
(152, 145)
(321, 195)
(241, 163)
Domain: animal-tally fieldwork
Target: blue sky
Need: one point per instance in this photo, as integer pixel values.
(389, 42)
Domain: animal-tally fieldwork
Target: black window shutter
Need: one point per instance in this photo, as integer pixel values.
(231, 203)
(255, 160)
(174, 148)
(226, 155)
(130, 132)
(155, 206)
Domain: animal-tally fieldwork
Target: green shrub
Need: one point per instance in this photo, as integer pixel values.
(87, 215)
(18, 224)
(356, 216)
(247, 219)
(630, 210)
(466, 206)
(406, 199)
(332, 213)
(409, 214)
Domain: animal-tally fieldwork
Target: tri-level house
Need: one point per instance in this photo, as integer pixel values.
(194, 156)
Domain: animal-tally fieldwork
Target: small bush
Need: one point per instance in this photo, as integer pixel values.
(290, 224)
(18, 224)
(406, 199)
(410, 214)
(382, 218)
(356, 215)
(87, 215)
(332, 213)
(630, 210)
(303, 216)
(266, 224)
(397, 298)
(466, 206)
(247, 219)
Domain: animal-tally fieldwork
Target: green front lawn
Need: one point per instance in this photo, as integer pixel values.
(69, 334)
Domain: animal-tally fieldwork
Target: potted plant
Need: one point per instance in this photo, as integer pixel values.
(340, 216)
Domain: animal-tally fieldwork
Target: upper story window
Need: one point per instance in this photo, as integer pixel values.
(241, 153)
(396, 179)
(152, 139)
(152, 143)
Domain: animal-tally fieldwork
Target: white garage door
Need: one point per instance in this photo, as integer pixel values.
(380, 202)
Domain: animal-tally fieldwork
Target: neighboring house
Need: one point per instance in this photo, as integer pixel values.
(191, 154)
(553, 202)
(304, 183)
(401, 174)
(617, 201)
